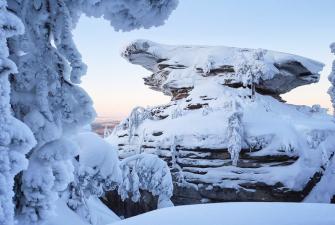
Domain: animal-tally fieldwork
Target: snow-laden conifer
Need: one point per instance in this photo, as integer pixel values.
(15, 138)
(46, 94)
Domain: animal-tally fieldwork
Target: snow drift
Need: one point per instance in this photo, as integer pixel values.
(239, 214)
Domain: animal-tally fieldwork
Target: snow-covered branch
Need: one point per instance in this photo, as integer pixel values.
(146, 172)
(16, 139)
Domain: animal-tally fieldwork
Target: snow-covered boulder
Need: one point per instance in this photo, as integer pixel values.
(225, 134)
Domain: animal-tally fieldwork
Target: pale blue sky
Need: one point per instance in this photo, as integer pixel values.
(303, 27)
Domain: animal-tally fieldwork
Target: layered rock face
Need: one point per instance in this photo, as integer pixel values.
(226, 134)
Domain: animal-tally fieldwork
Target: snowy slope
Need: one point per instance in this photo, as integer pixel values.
(238, 214)
(65, 216)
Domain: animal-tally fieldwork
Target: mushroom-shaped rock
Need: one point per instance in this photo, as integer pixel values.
(177, 69)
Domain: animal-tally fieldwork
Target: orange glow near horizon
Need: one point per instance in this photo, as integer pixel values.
(118, 106)
(116, 100)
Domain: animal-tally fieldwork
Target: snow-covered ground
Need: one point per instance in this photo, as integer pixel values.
(238, 214)
(101, 215)
(244, 213)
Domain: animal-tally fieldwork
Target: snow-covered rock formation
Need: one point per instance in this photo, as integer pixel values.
(226, 133)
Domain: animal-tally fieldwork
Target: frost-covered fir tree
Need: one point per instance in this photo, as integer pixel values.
(249, 74)
(331, 78)
(54, 107)
(137, 116)
(46, 94)
(15, 138)
(174, 160)
(146, 172)
(96, 171)
(107, 131)
(99, 170)
(235, 132)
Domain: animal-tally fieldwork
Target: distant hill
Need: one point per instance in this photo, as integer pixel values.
(101, 123)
